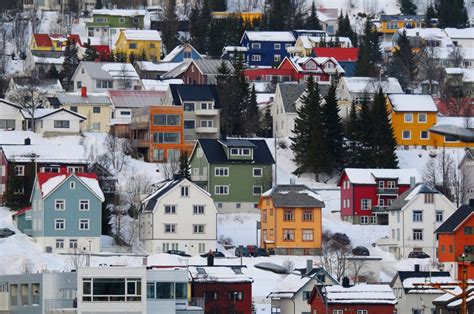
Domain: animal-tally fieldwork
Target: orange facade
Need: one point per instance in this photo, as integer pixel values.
(289, 227)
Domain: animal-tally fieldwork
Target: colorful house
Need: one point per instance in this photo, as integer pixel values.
(266, 48)
(456, 242)
(247, 17)
(366, 193)
(305, 44)
(45, 45)
(139, 42)
(346, 57)
(181, 53)
(198, 71)
(234, 171)
(66, 212)
(291, 220)
(389, 24)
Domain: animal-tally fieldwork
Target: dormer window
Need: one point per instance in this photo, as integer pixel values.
(240, 151)
(381, 184)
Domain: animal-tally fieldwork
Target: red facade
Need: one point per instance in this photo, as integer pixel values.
(224, 297)
(317, 306)
(193, 75)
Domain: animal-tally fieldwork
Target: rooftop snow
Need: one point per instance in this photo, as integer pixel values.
(49, 181)
(118, 12)
(71, 153)
(464, 33)
(289, 286)
(218, 274)
(456, 121)
(270, 36)
(411, 103)
(361, 293)
(157, 67)
(368, 176)
(360, 85)
(467, 74)
(137, 34)
(18, 137)
(432, 34)
(160, 85)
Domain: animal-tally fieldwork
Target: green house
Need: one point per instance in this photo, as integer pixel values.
(235, 171)
(108, 23)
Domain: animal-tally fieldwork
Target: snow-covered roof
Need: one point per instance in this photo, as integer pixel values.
(456, 121)
(235, 48)
(160, 85)
(467, 74)
(109, 70)
(361, 293)
(412, 103)
(44, 152)
(142, 34)
(18, 137)
(173, 53)
(294, 195)
(157, 67)
(289, 286)
(50, 181)
(270, 36)
(463, 33)
(118, 12)
(43, 112)
(300, 62)
(76, 98)
(360, 85)
(431, 34)
(219, 274)
(411, 284)
(369, 176)
(57, 61)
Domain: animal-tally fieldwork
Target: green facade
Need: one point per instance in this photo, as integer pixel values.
(114, 21)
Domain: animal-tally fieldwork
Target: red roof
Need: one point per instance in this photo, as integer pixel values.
(45, 177)
(43, 40)
(22, 211)
(76, 38)
(340, 54)
(455, 107)
(102, 49)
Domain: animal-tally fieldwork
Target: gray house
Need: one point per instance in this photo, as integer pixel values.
(467, 169)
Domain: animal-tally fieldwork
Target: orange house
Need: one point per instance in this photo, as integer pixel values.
(455, 238)
(166, 133)
(291, 220)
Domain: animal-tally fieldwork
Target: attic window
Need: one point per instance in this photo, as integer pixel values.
(237, 270)
(201, 271)
(72, 185)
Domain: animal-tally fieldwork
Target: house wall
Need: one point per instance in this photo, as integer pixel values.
(266, 52)
(4, 172)
(174, 275)
(406, 303)
(467, 170)
(283, 122)
(91, 84)
(317, 306)
(180, 56)
(92, 118)
(46, 127)
(223, 304)
(192, 75)
(152, 48)
(8, 112)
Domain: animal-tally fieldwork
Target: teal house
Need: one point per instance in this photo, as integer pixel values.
(65, 214)
(107, 24)
(235, 171)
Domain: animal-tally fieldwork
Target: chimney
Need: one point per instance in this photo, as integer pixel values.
(417, 267)
(27, 141)
(412, 182)
(309, 265)
(210, 259)
(83, 91)
(345, 282)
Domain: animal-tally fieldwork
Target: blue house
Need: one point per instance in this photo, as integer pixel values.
(181, 53)
(65, 214)
(266, 48)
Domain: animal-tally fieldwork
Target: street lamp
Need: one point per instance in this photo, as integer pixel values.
(277, 269)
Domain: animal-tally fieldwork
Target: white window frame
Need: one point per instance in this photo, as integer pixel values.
(427, 135)
(256, 46)
(422, 114)
(86, 222)
(72, 185)
(197, 228)
(172, 228)
(276, 46)
(408, 115)
(59, 244)
(84, 202)
(71, 242)
(224, 170)
(63, 205)
(369, 204)
(403, 135)
(172, 208)
(185, 191)
(257, 176)
(19, 170)
(256, 58)
(224, 187)
(364, 220)
(417, 213)
(197, 209)
(436, 215)
(60, 221)
(372, 219)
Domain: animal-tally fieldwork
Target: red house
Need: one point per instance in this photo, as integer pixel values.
(455, 238)
(346, 57)
(366, 193)
(226, 289)
(362, 298)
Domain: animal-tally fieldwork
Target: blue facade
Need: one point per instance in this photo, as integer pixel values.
(180, 53)
(265, 52)
(349, 67)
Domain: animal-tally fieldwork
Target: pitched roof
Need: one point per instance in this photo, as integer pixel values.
(360, 84)
(109, 70)
(77, 99)
(6, 102)
(118, 12)
(340, 54)
(405, 197)
(43, 40)
(237, 143)
(151, 200)
(193, 92)
(368, 176)
(270, 36)
(223, 274)
(44, 152)
(289, 95)
(136, 98)
(404, 275)
(177, 50)
(294, 195)
(156, 67)
(141, 34)
(50, 181)
(22, 211)
(215, 154)
(456, 219)
(18, 137)
(41, 113)
(177, 71)
(412, 103)
(211, 66)
(360, 294)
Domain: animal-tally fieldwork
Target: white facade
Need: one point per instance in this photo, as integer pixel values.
(10, 116)
(60, 123)
(467, 169)
(283, 122)
(180, 222)
(84, 244)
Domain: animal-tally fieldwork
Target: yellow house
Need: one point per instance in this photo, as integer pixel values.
(291, 220)
(45, 42)
(412, 116)
(247, 17)
(138, 42)
(389, 24)
(95, 107)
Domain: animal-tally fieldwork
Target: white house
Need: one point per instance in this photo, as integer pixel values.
(10, 116)
(461, 37)
(357, 88)
(54, 122)
(283, 110)
(413, 218)
(178, 216)
(101, 76)
(467, 168)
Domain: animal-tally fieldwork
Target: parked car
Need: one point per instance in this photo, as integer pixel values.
(5, 233)
(360, 251)
(178, 252)
(251, 250)
(418, 254)
(261, 252)
(217, 254)
(242, 251)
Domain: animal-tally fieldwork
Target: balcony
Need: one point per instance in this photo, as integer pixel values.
(468, 258)
(206, 112)
(387, 191)
(206, 130)
(193, 306)
(379, 209)
(139, 125)
(141, 143)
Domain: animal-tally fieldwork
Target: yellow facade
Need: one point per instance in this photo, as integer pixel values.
(98, 120)
(417, 125)
(44, 42)
(390, 27)
(275, 226)
(247, 17)
(152, 48)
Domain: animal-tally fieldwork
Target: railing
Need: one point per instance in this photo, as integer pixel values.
(206, 112)
(206, 129)
(389, 191)
(379, 209)
(141, 143)
(51, 304)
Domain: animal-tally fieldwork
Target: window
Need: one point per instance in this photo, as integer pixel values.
(185, 191)
(170, 228)
(59, 224)
(381, 184)
(362, 312)
(189, 124)
(96, 109)
(408, 117)
(406, 135)
(158, 154)
(221, 171)
(422, 117)
(83, 224)
(72, 185)
(307, 234)
(238, 205)
(364, 220)
(373, 219)
(170, 209)
(276, 58)
(187, 54)
(468, 230)
(418, 234)
(96, 126)
(101, 20)
(366, 203)
(19, 170)
(439, 216)
(73, 108)
(198, 228)
(256, 58)
(221, 189)
(132, 46)
(75, 169)
(84, 205)
(288, 234)
(417, 216)
(171, 138)
(424, 135)
(104, 84)
(306, 295)
(276, 46)
(121, 20)
(450, 139)
(61, 124)
(206, 106)
(289, 215)
(240, 151)
(429, 198)
(60, 205)
(188, 106)
(264, 215)
(337, 311)
(235, 296)
(257, 172)
(206, 123)
(257, 190)
(111, 289)
(166, 119)
(308, 215)
(19, 191)
(59, 243)
(198, 209)
(256, 46)
(210, 295)
(7, 124)
(202, 247)
(73, 244)
(79, 83)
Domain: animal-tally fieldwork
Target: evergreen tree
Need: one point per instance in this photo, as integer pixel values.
(217, 33)
(132, 57)
(91, 53)
(14, 200)
(364, 130)
(98, 5)
(120, 57)
(369, 52)
(266, 129)
(430, 14)
(205, 19)
(142, 56)
(52, 72)
(345, 29)
(312, 22)
(184, 166)
(71, 61)
(403, 65)
(194, 27)
(407, 7)
(452, 13)
(170, 26)
(352, 145)
(218, 5)
(252, 115)
(332, 129)
(382, 138)
(106, 228)
(111, 56)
